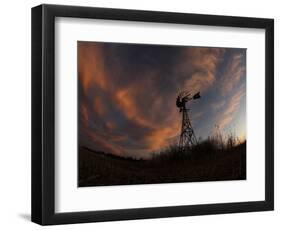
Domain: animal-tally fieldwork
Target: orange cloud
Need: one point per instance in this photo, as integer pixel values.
(110, 125)
(204, 61)
(159, 138)
(118, 138)
(84, 114)
(126, 102)
(99, 106)
(107, 144)
(161, 130)
(91, 66)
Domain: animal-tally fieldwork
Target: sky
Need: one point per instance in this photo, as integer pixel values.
(127, 94)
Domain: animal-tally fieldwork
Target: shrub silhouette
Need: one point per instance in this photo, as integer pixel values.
(216, 158)
(213, 145)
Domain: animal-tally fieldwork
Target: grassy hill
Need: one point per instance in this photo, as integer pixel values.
(204, 163)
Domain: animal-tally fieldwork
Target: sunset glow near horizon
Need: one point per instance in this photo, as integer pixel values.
(127, 94)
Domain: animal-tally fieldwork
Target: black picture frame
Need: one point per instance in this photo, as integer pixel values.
(43, 114)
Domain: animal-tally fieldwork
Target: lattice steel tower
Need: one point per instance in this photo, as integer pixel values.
(187, 137)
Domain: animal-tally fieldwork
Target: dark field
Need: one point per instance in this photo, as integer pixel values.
(202, 164)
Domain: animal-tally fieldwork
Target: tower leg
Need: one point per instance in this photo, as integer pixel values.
(187, 137)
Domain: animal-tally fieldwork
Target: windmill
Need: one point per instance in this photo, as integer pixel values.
(187, 137)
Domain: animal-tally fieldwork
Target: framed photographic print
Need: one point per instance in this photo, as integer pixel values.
(142, 114)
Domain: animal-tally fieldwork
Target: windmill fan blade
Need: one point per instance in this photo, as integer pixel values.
(184, 93)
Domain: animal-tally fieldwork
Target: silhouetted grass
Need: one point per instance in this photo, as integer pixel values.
(213, 159)
(207, 148)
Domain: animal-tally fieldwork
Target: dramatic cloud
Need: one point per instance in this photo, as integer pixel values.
(127, 93)
(234, 71)
(203, 62)
(229, 111)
